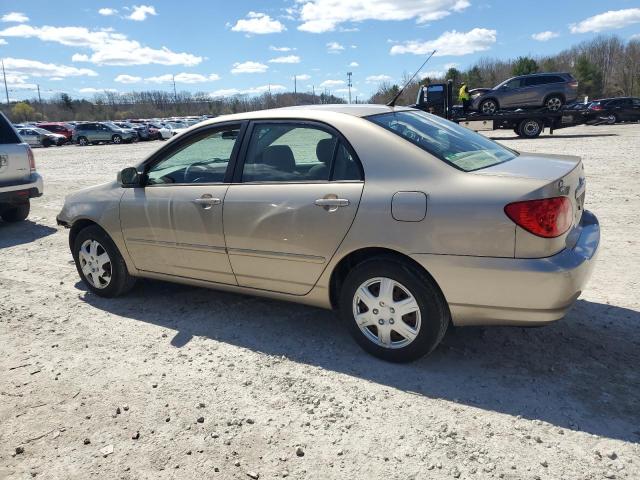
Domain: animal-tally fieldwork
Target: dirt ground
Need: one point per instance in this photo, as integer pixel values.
(179, 382)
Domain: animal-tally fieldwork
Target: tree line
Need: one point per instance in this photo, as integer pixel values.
(605, 66)
(152, 104)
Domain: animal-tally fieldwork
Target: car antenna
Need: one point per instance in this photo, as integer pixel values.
(392, 103)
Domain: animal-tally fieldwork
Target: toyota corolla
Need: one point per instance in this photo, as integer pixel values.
(401, 221)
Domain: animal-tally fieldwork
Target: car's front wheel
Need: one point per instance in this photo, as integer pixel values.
(393, 310)
(17, 213)
(100, 264)
(611, 119)
(117, 139)
(488, 107)
(83, 141)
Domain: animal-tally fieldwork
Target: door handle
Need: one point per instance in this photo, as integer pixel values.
(332, 204)
(207, 201)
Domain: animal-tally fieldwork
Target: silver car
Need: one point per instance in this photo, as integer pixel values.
(400, 220)
(40, 137)
(550, 90)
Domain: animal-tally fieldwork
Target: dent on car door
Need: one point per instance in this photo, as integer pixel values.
(292, 202)
(174, 224)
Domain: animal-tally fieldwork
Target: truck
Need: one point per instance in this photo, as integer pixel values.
(19, 180)
(437, 98)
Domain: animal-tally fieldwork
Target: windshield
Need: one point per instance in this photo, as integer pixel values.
(448, 141)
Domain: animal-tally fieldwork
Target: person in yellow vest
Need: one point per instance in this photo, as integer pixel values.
(463, 96)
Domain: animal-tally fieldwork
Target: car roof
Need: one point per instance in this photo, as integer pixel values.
(309, 112)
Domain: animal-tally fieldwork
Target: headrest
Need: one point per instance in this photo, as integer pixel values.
(279, 157)
(324, 150)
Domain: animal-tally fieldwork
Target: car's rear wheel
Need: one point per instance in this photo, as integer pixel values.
(530, 128)
(17, 213)
(488, 107)
(554, 103)
(393, 310)
(100, 264)
(611, 119)
(46, 143)
(117, 139)
(83, 141)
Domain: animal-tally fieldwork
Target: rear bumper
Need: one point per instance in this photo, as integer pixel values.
(512, 291)
(20, 192)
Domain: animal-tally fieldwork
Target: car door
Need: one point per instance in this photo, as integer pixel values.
(30, 136)
(294, 197)
(510, 93)
(635, 109)
(173, 225)
(626, 109)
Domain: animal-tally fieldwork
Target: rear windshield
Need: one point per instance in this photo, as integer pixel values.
(456, 145)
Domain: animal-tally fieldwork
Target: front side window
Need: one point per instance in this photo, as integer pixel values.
(296, 153)
(203, 160)
(456, 145)
(515, 83)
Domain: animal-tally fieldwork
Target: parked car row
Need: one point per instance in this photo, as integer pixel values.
(46, 134)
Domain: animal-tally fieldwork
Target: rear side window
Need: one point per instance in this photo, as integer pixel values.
(297, 153)
(455, 145)
(7, 133)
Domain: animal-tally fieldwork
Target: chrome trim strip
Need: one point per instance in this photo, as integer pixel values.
(276, 255)
(189, 246)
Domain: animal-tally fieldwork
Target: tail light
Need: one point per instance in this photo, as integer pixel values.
(573, 84)
(547, 217)
(32, 160)
(596, 107)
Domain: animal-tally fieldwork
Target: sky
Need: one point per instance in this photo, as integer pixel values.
(244, 47)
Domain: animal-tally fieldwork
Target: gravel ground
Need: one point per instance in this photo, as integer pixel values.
(179, 382)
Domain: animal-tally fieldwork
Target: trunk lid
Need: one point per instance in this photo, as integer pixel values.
(549, 176)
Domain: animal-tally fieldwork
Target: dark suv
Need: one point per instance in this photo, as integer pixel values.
(613, 110)
(551, 90)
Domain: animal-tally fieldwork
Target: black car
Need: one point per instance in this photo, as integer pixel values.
(620, 109)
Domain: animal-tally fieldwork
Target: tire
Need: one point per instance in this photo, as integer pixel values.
(83, 141)
(427, 324)
(612, 119)
(105, 276)
(117, 139)
(17, 213)
(488, 106)
(554, 103)
(530, 128)
(46, 143)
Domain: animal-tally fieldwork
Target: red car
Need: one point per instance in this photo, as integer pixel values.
(58, 127)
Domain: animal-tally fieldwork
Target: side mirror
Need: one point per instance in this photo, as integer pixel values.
(129, 177)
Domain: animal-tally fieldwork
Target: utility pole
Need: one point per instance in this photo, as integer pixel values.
(40, 101)
(313, 89)
(349, 84)
(175, 94)
(295, 89)
(4, 75)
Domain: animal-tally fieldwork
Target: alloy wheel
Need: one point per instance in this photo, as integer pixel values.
(489, 107)
(386, 312)
(531, 128)
(554, 103)
(95, 264)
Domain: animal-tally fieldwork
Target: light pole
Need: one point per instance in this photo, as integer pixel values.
(349, 85)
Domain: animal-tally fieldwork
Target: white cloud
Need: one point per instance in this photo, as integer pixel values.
(249, 67)
(107, 11)
(334, 47)
(281, 49)
(230, 92)
(545, 36)
(610, 20)
(97, 90)
(447, 66)
(258, 24)
(183, 78)
(450, 43)
(345, 90)
(3, 41)
(19, 82)
(331, 83)
(56, 79)
(79, 57)
(108, 47)
(354, 64)
(378, 78)
(319, 16)
(140, 12)
(635, 36)
(433, 73)
(39, 69)
(303, 77)
(15, 17)
(127, 79)
(287, 59)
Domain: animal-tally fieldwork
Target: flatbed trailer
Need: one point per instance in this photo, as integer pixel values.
(438, 99)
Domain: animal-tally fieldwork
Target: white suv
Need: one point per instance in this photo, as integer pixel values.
(19, 180)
